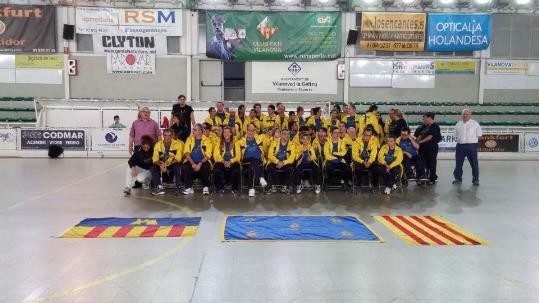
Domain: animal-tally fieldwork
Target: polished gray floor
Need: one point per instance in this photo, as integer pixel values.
(41, 198)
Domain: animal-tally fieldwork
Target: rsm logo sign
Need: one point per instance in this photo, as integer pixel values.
(148, 17)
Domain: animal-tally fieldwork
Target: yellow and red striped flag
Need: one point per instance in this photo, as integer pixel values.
(134, 228)
(428, 230)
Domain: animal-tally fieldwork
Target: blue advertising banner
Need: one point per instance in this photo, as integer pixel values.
(457, 33)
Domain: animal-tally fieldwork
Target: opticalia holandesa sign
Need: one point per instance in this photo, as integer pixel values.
(113, 139)
(294, 77)
(458, 33)
(41, 139)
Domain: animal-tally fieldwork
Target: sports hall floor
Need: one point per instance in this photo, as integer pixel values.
(41, 198)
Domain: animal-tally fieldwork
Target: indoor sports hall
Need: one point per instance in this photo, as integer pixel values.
(278, 151)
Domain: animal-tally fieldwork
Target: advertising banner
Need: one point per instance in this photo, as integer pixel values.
(455, 67)
(41, 139)
(409, 67)
(39, 61)
(284, 36)
(103, 20)
(393, 31)
(499, 143)
(27, 28)
(123, 43)
(506, 67)
(112, 139)
(458, 33)
(7, 139)
(294, 77)
(448, 143)
(532, 142)
(131, 62)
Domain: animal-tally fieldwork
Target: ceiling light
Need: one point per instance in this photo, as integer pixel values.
(447, 2)
(522, 2)
(482, 2)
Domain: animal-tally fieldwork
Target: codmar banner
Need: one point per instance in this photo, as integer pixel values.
(27, 28)
(393, 31)
(288, 36)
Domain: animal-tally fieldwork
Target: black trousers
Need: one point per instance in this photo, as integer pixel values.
(173, 169)
(427, 160)
(188, 174)
(408, 163)
(253, 168)
(314, 171)
(362, 173)
(338, 169)
(273, 173)
(388, 177)
(223, 175)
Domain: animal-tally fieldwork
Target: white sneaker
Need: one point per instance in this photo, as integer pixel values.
(188, 191)
(394, 187)
(145, 186)
(205, 190)
(299, 188)
(251, 192)
(127, 190)
(387, 191)
(263, 182)
(317, 189)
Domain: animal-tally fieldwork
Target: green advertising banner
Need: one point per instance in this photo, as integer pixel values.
(289, 36)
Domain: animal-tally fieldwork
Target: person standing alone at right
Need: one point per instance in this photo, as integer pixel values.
(467, 133)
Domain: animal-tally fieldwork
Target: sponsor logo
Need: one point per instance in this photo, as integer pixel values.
(294, 68)
(323, 20)
(111, 137)
(149, 16)
(9, 12)
(6, 137)
(491, 143)
(266, 28)
(533, 142)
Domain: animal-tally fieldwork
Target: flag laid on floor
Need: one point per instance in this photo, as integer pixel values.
(134, 228)
(296, 228)
(428, 230)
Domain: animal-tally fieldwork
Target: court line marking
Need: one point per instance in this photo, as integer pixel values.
(59, 189)
(34, 255)
(503, 277)
(136, 268)
(114, 276)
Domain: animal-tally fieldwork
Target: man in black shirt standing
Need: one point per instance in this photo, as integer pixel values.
(186, 113)
(428, 135)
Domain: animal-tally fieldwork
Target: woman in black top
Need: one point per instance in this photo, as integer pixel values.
(397, 123)
(180, 129)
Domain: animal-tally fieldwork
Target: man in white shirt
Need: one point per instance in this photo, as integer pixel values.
(467, 133)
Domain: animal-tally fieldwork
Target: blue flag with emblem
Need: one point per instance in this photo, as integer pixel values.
(297, 228)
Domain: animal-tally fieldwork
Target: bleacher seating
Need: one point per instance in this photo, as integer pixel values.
(17, 110)
(518, 114)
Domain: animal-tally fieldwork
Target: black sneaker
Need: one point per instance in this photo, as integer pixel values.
(431, 182)
(158, 191)
(475, 183)
(457, 181)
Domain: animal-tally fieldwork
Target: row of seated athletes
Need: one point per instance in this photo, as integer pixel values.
(277, 156)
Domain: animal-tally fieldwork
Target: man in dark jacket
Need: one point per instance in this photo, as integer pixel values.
(139, 165)
(428, 135)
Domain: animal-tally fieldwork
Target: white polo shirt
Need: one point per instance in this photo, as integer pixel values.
(468, 132)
